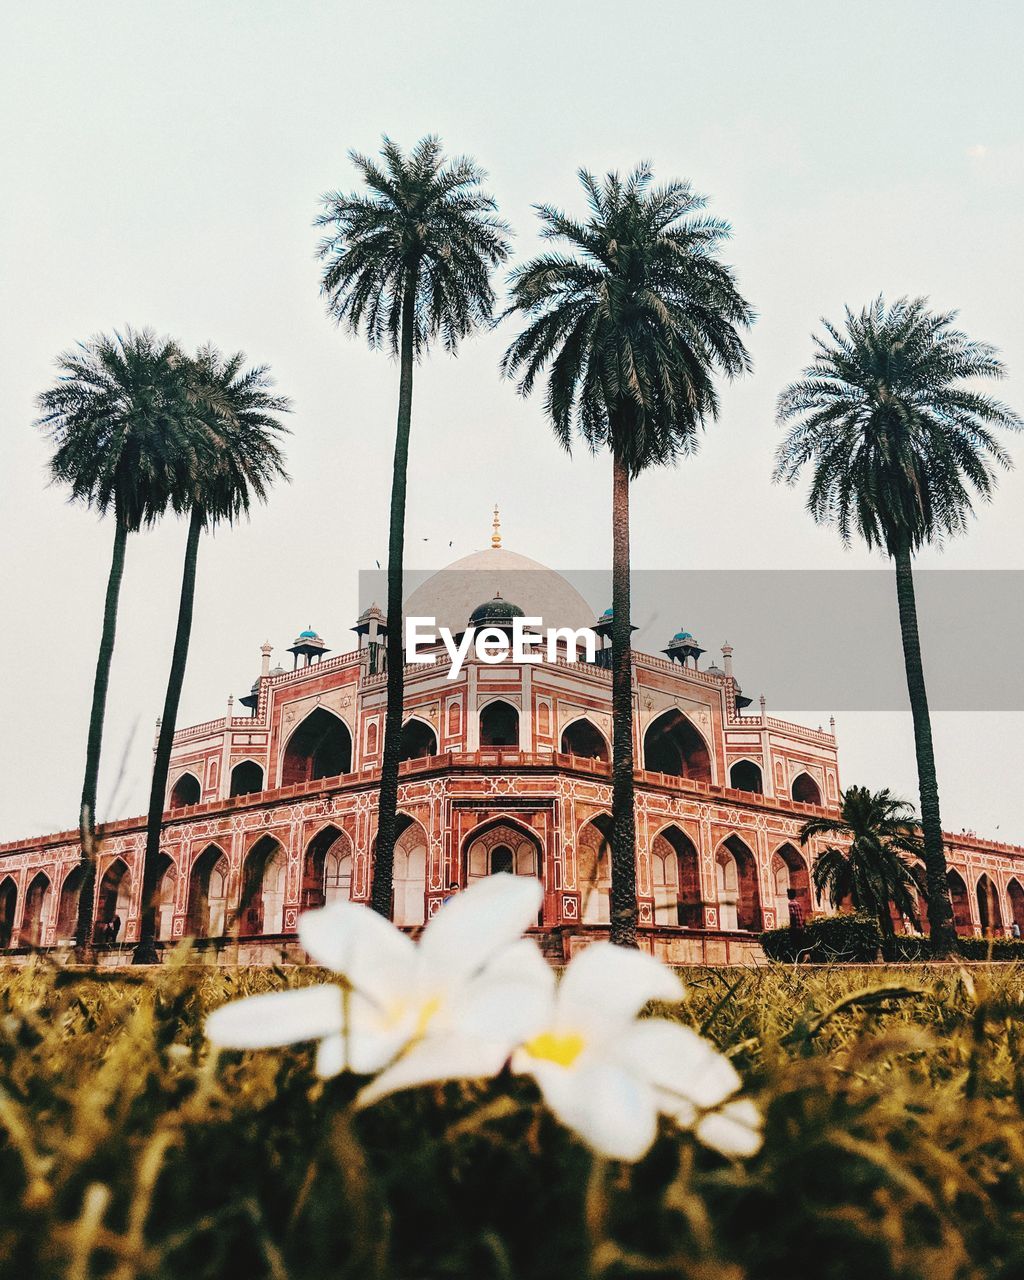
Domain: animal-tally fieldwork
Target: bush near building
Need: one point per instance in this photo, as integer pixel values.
(855, 939)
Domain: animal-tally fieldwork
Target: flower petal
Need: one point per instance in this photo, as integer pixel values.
(676, 1060)
(433, 1060)
(474, 924)
(611, 1109)
(375, 1037)
(605, 986)
(278, 1018)
(330, 1057)
(734, 1130)
(375, 957)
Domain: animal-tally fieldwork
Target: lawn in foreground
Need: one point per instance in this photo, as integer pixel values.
(894, 1143)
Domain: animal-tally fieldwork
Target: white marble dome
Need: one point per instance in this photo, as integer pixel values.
(451, 594)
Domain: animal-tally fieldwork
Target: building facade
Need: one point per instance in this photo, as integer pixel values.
(505, 768)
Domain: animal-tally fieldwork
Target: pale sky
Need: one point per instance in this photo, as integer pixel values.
(161, 165)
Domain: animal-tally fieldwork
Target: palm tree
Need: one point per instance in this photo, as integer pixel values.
(406, 263)
(897, 443)
(235, 459)
(634, 322)
(869, 871)
(116, 419)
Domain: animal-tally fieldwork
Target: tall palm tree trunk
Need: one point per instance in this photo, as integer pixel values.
(940, 910)
(87, 813)
(387, 809)
(145, 951)
(623, 904)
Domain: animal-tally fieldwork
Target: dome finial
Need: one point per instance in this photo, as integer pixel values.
(496, 526)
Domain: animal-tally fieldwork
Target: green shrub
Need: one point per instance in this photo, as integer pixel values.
(906, 947)
(779, 944)
(849, 939)
(991, 948)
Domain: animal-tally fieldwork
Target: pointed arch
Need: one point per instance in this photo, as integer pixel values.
(418, 740)
(67, 906)
(208, 893)
(8, 906)
(113, 899)
(186, 790)
(499, 724)
(1015, 897)
(246, 778)
(261, 906)
(675, 878)
(673, 745)
(990, 915)
(409, 900)
(789, 871)
(960, 899)
(38, 903)
(805, 790)
(745, 775)
(502, 845)
(594, 869)
(739, 895)
(327, 868)
(164, 896)
(320, 746)
(581, 737)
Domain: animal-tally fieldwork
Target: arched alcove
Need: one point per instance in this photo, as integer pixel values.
(327, 868)
(583, 738)
(958, 896)
(261, 909)
(410, 877)
(246, 778)
(675, 879)
(320, 747)
(674, 746)
(8, 905)
(208, 893)
(502, 847)
(789, 871)
(745, 775)
(594, 869)
(418, 740)
(164, 896)
(186, 790)
(739, 897)
(67, 906)
(989, 913)
(38, 902)
(499, 725)
(1015, 895)
(806, 790)
(112, 902)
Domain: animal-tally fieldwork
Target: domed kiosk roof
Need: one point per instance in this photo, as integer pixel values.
(452, 594)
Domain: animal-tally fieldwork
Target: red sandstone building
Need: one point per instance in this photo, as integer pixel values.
(505, 768)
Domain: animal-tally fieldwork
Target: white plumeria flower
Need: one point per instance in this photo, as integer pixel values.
(606, 1073)
(436, 1009)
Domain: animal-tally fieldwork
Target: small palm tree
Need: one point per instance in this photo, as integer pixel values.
(870, 870)
(407, 263)
(633, 322)
(897, 443)
(235, 458)
(116, 419)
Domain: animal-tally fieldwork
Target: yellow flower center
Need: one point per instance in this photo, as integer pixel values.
(427, 1010)
(562, 1049)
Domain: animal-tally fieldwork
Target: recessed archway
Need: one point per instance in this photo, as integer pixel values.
(499, 725)
(327, 868)
(745, 775)
(112, 901)
(410, 873)
(8, 905)
(989, 913)
(583, 738)
(805, 790)
(674, 746)
(261, 909)
(789, 871)
(958, 896)
(208, 893)
(246, 778)
(320, 747)
(38, 901)
(67, 907)
(675, 879)
(185, 791)
(418, 740)
(502, 847)
(739, 897)
(1015, 895)
(164, 896)
(594, 869)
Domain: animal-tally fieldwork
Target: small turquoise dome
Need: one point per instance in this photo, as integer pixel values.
(308, 635)
(607, 613)
(683, 635)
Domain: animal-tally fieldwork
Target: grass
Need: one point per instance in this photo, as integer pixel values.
(894, 1144)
